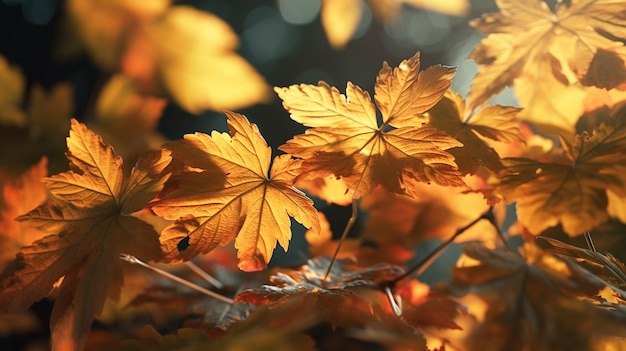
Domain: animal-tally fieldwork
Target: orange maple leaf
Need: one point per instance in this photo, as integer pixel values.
(90, 218)
(238, 198)
(573, 191)
(346, 140)
(19, 196)
(496, 123)
(533, 47)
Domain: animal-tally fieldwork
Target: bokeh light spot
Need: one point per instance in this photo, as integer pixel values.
(299, 11)
(267, 36)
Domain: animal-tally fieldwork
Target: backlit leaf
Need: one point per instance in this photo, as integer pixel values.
(89, 227)
(245, 201)
(495, 123)
(572, 192)
(144, 40)
(346, 141)
(532, 302)
(550, 55)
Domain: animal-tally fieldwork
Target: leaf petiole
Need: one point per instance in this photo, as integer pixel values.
(427, 261)
(204, 275)
(135, 260)
(346, 230)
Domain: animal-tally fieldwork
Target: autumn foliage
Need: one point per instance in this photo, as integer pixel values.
(415, 160)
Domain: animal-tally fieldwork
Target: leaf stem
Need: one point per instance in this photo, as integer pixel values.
(427, 261)
(135, 260)
(206, 276)
(346, 230)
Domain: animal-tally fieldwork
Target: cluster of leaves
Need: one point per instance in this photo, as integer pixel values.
(418, 158)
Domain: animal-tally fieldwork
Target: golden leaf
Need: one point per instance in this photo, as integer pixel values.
(572, 192)
(240, 198)
(568, 49)
(535, 301)
(346, 141)
(496, 123)
(145, 40)
(89, 226)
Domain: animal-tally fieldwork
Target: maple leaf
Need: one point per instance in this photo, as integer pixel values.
(144, 40)
(20, 196)
(529, 45)
(494, 123)
(338, 299)
(340, 18)
(89, 216)
(346, 141)
(250, 203)
(438, 212)
(364, 251)
(532, 301)
(573, 191)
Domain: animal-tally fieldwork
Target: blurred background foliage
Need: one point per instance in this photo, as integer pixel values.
(285, 41)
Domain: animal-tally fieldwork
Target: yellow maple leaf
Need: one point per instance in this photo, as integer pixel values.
(496, 123)
(346, 140)
(240, 197)
(572, 192)
(340, 18)
(89, 224)
(180, 51)
(579, 44)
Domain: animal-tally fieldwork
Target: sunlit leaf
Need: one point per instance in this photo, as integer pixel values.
(494, 123)
(438, 212)
(245, 201)
(572, 192)
(144, 40)
(533, 302)
(550, 55)
(89, 225)
(346, 141)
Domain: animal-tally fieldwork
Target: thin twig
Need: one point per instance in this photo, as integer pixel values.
(135, 260)
(206, 276)
(589, 241)
(421, 266)
(346, 230)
